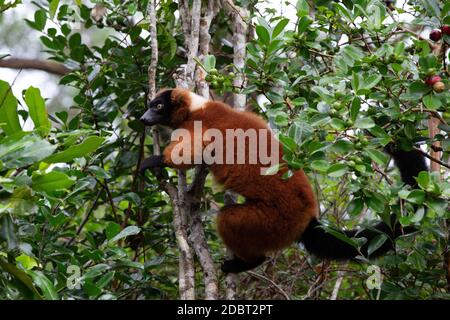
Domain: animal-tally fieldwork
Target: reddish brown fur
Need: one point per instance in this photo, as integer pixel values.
(276, 211)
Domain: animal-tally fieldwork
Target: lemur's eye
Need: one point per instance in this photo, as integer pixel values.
(159, 106)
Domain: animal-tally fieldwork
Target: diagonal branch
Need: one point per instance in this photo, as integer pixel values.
(36, 64)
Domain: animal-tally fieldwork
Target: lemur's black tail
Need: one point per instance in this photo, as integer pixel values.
(325, 245)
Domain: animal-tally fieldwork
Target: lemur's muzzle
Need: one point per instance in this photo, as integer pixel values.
(151, 118)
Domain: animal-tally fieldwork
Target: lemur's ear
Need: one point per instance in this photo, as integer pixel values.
(180, 97)
(181, 101)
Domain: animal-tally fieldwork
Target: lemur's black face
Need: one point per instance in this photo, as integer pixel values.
(160, 110)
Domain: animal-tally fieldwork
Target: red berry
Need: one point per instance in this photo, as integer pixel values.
(436, 35)
(446, 30)
(432, 80)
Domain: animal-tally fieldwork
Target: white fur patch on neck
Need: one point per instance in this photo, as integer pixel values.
(197, 102)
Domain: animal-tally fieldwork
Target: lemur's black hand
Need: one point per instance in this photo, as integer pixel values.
(152, 162)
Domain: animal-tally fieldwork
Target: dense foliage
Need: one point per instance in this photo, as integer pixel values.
(340, 80)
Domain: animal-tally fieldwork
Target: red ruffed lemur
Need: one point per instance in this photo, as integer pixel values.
(277, 212)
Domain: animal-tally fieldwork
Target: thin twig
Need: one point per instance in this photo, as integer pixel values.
(86, 218)
(271, 282)
(431, 158)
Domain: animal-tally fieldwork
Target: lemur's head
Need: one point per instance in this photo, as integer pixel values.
(172, 107)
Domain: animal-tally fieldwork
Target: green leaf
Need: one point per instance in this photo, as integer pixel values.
(364, 123)
(38, 113)
(302, 8)
(355, 82)
(337, 124)
(403, 194)
(9, 118)
(375, 204)
(438, 205)
(418, 215)
(416, 196)
(112, 229)
(46, 286)
(376, 243)
(417, 89)
(300, 131)
(351, 54)
(288, 143)
(209, 62)
(423, 179)
(417, 260)
(95, 271)
(446, 9)
(319, 119)
(370, 82)
(379, 157)
(21, 150)
(320, 165)
(432, 102)
(89, 145)
(105, 279)
(432, 8)
(342, 10)
(337, 170)
(342, 146)
(22, 277)
(156, 261)
(128, 231)
(51, 181)
(279, 27)
(355, 206)
(341, 236)
(7, 232)
(410, 130)
(74, 41)
(263, 34)
(53, 7)
(26, 261)
(354, 110)
(40, 19)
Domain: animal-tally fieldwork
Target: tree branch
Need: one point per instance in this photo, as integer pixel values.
(204, 40)
(43, 65)
(271, 282)
(86, 218)
(239, 16)
(432, 159)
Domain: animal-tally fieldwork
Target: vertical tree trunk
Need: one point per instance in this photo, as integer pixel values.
(186, 199)
(197, 235)
(434, 130)
(186, 275)
(197, 37)
(439, 50)
(238, 15)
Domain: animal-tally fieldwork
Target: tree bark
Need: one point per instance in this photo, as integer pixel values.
(197, 41)
(204, 40)
(186, 271)
(238, 15)
(192, 45)
(36, 64)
